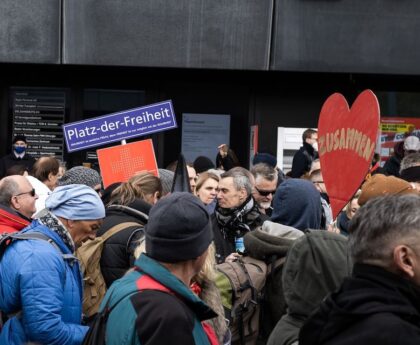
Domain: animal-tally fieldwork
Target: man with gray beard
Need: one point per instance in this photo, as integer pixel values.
(265, 186)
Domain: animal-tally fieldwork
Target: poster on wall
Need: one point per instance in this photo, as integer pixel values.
(39, 114)
(203, 133)
(393, 131)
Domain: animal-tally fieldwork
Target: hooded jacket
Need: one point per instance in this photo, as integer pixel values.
(118, 252)
(316, 264)
(11, 221)
(297, 203)
(271, 243)
(374, 306)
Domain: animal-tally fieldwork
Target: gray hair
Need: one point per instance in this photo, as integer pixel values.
(409, 161)
(264, 170)
(8, 188)
(241, 179)
(381, 224)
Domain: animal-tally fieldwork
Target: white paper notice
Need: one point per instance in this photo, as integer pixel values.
(203, 133)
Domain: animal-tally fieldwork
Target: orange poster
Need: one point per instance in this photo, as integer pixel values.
(120, 162)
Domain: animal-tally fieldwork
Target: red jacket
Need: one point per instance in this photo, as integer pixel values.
(11, 222)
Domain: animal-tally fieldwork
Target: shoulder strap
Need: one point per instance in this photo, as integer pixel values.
(118, 228)
(36, 236)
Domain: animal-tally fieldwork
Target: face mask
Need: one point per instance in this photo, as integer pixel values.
(20, 149)
(315, 146)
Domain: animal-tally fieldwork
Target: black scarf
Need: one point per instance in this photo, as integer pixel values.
(234, 222)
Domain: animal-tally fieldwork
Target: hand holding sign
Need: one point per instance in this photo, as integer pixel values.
(346, 140)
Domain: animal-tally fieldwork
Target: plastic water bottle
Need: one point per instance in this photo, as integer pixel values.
(239, 245)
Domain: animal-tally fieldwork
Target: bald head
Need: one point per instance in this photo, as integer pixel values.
(15, 192)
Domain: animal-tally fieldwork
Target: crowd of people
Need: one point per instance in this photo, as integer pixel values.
(164, 242)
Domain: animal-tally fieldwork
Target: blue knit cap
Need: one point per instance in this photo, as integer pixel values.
(75, 202)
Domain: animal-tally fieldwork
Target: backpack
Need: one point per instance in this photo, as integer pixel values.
(241, 285)
(97, 329)
(89, 255)
(7, 238)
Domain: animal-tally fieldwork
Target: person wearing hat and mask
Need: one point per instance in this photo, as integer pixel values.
(40, 281)
(154, 299)
(18, 156)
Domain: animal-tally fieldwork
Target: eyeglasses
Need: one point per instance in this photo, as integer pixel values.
(31, 193)
(265, 192)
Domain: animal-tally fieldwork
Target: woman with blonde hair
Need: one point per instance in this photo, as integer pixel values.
(206, 189)
(129, 203)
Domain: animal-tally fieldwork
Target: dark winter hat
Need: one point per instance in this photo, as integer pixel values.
(166, 179)
(202, 164)
(265, 158)
(80, 175)
(19, 137)
(178, 229)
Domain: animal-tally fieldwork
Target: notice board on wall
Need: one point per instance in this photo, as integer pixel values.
(39, 113)
(203, 133)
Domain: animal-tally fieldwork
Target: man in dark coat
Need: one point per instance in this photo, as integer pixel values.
(17, 157)
(303, 158)
(236, 213)
(380, 303)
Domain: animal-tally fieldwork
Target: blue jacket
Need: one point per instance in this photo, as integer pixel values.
(44, 289)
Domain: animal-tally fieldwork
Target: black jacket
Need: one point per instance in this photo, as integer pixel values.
(224, 244)
(373, 307)
(302, 160)
(10, 160)
(118, 253)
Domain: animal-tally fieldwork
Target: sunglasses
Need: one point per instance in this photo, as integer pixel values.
(31, 193)
(265, 192)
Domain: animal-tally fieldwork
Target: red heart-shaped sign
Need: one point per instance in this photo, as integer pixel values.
(346, 143)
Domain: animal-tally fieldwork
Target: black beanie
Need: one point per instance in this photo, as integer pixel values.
(178, 229)
(202, 164)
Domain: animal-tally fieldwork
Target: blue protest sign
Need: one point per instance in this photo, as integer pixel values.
(119, 126)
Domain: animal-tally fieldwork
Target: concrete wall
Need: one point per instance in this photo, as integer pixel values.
(354, 36)
(226, 34)
(30, 31)
(347, 36)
